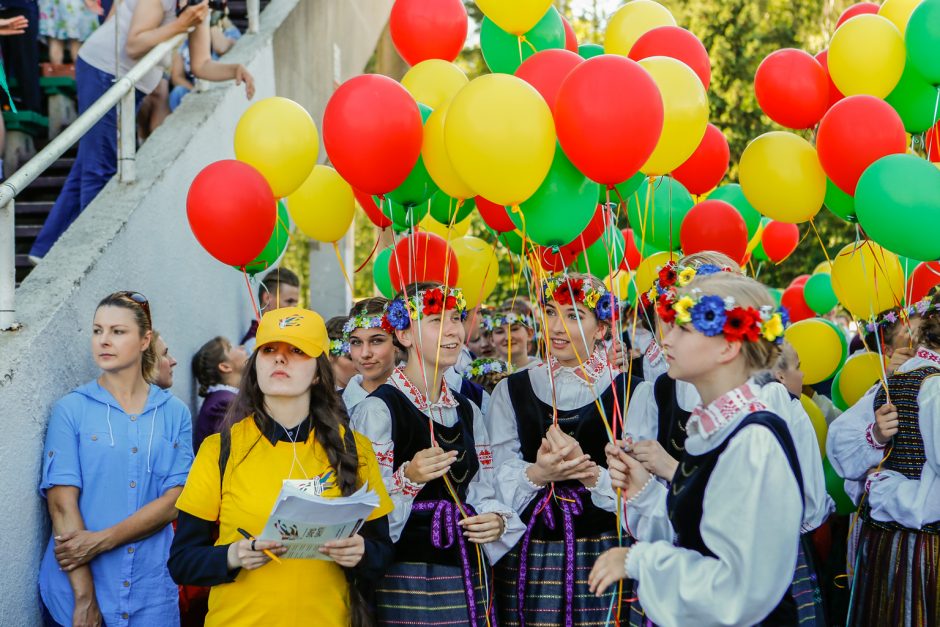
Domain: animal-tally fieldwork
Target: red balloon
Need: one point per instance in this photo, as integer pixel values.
(678, 43)
(779, 240)
(495, 216)
(608, 139)
(632, 256)
(923, 279)
(546, 70)
(422, 257)
(231, 211)
(795, 303)
(554, 261)
(423, 30)
(855, 133)
(799, 281)
(792, 88)
(857, 9)
(372, 211)
(372, 131)
(708, 164)
(834, 94)
(932, 143)
(571, 39)
(714, 225)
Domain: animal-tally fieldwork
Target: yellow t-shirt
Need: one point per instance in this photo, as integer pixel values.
(296, 591)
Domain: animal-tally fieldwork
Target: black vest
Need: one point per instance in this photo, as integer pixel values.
(411, 434)
(534, 417)
(687, 494)
(473, 391)
(672, 418)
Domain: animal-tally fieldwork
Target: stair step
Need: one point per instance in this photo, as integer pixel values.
(28, 230)
(32, 209)
(45, 182)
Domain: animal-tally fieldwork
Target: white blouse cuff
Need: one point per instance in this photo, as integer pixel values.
(630, 561)
(405, 485)
(534, 487)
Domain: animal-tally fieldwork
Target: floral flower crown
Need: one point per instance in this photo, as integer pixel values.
(484, 366)
(338, 348)
(713, 315)
(362, 320)
(892, 316)
(671, 276)
(567, 291)
(401, 311)
(494, 321)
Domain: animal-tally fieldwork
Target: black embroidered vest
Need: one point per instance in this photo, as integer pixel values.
(672, 418)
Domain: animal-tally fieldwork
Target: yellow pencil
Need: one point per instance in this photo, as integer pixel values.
(248, 536)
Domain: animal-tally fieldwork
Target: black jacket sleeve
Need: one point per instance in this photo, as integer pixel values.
(379, 551)
(194, 561)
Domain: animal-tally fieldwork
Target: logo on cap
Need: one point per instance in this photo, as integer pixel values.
(290, 321)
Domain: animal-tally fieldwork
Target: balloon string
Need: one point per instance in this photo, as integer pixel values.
(251, 295)
(375, 247)
(934, 125)
(342, 266)
(523, 40)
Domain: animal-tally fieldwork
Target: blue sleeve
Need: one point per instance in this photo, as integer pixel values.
(182, 447)
(60, 459)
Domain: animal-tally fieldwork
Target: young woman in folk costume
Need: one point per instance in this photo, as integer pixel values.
(661, 408)
(371, 348)
(512, 328)
(434, 451)
(889, 443)
(552, 422)
(717, 547)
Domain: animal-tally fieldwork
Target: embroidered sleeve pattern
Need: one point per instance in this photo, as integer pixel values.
(403, 484)
(870, 438)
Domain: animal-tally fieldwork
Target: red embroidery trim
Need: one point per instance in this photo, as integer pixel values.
(929, 355)
(486, 457)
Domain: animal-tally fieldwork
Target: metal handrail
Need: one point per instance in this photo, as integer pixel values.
(120, 94)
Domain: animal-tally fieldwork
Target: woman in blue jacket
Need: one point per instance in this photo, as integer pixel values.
(117, 453)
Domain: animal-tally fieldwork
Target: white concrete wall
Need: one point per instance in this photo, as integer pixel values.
(133, 237)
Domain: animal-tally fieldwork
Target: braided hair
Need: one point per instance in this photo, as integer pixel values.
(206, 363)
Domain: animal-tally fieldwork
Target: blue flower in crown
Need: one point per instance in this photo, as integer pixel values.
(784, 315)
(606, 306)
(397, 315)
(708, 315)
(707, 268)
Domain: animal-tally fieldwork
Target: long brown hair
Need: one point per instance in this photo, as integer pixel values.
(206, 363)
(148, 361)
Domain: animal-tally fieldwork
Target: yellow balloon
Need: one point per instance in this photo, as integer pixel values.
(781, 177)
(867, 56)
(899, 12)
(632, 21)
(431, 225)
(619, 283)
(819, 421)
(867, 279)
(821, 347)
(648, 270)
(479, 268)
(859, 373)
(324, 206)
(436, 159)
(277, 137)
(514, 16)
(823, 267)
(500, 138)
(434, 82)
(685, 114)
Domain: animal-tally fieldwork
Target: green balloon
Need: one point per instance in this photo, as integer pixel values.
(819, 294)
(922, 40)
(646, 249)
(444, 209)
(898, 204)
(626, 189)
(275, 247)
(908, 265)
(663, 213)
(836, 392)
(759, 254)
(403, 217)
(835, 486)
(588, 51)
(501, 49)
(511, 240)
(840, 203)
(603, 257)
(419, 186)
(914, 99)
(560, 208)
(776, 293)
(734, 196)
(380, 273)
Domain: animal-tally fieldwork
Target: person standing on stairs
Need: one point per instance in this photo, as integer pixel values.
(141, 25)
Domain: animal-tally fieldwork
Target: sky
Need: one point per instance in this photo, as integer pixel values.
(604, 6)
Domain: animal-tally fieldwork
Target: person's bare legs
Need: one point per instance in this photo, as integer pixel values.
(56, 51)
(74, 45)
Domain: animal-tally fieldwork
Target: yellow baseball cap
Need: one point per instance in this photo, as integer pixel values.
(298, 327)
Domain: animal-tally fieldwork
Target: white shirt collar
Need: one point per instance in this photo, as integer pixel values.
(707, 420)
(400, 381)
(923, 358)
(354, 393)
(587, 373)
(219, 387)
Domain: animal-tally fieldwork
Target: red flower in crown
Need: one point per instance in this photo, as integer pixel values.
(450, 303)
(742, 324)
(667, 275)
(645, 300)
(664, 308)
(387, 326)
(433, 302)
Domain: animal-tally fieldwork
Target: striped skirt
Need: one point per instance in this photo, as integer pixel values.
(417, 593)
(544, 603)
(896, 579)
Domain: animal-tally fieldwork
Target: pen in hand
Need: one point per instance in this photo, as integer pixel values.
(250, 537)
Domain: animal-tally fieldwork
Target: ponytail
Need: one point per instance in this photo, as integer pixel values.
(206, 364)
